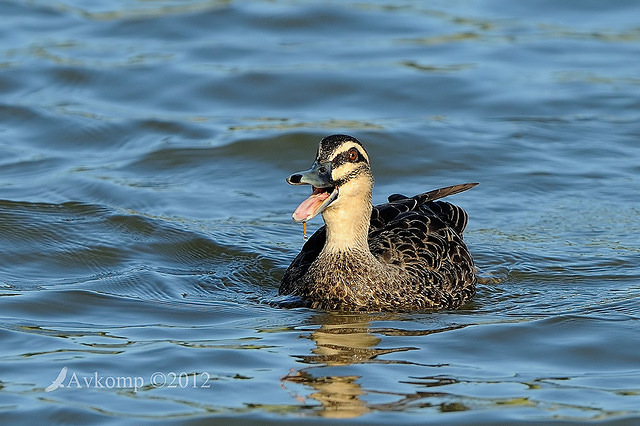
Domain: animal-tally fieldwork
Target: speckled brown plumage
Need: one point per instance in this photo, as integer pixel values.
(416, 259)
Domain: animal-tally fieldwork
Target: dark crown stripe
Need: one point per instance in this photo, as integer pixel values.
(331, 144)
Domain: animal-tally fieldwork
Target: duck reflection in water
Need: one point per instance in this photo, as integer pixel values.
(344, 340)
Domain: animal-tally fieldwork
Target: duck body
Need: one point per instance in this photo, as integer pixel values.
(404, 255)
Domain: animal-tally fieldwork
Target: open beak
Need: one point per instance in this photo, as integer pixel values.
(323, 192)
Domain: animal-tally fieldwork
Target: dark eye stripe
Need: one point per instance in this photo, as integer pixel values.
(343, 158)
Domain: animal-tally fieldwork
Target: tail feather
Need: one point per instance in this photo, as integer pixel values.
(442, 192)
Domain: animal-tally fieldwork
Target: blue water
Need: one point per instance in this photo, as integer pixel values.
(145, 222)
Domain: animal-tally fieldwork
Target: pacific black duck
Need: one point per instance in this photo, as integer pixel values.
(405, 255)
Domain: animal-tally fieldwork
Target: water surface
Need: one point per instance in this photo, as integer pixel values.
(145, 222)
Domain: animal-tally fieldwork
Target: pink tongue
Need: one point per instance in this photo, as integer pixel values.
(309, 206)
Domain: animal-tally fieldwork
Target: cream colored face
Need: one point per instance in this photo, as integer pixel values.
(340, 170)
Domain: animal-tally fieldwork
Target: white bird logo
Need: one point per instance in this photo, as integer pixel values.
(57, 383)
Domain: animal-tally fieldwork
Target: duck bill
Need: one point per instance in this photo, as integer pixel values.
(323, 192)
(315, 204)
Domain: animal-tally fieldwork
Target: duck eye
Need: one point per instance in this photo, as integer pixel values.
(353, 154)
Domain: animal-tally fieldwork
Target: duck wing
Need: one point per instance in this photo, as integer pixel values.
(423, 236)
(398, 204)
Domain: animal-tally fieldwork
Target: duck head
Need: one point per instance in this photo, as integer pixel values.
(340, 174)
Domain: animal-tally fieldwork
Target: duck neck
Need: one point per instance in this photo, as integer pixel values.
(348, 226)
